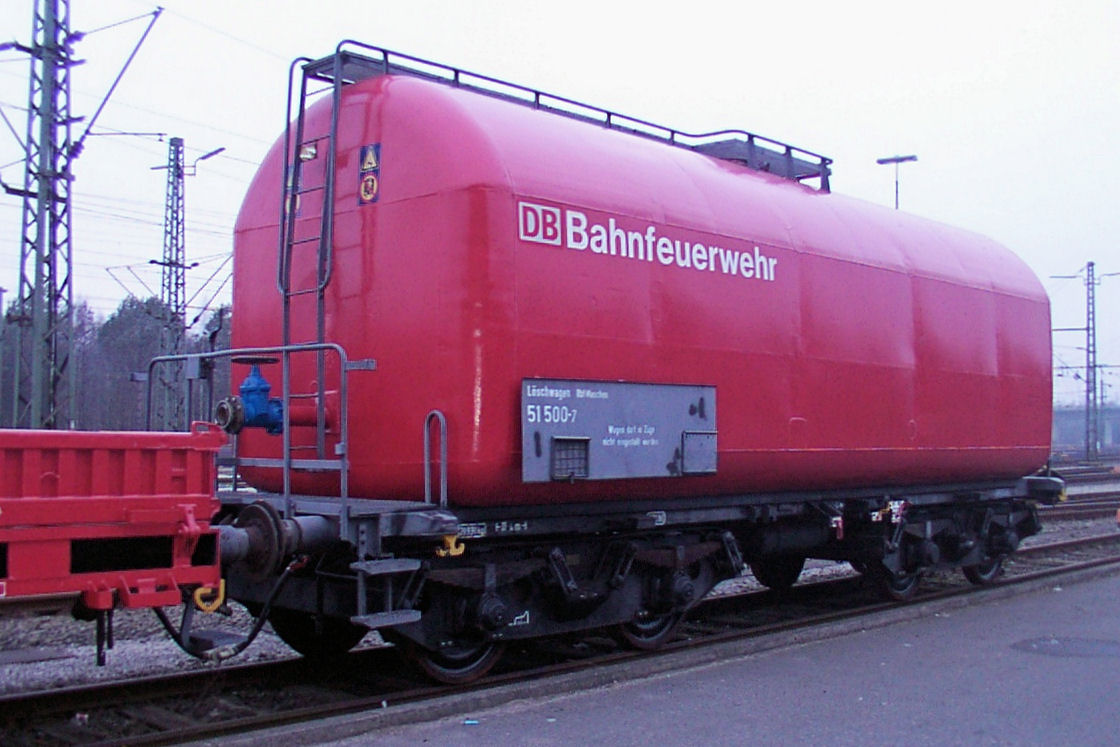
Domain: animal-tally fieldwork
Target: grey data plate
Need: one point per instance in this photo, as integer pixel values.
(602, 430)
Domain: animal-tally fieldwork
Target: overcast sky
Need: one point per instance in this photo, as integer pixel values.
(1013, 109)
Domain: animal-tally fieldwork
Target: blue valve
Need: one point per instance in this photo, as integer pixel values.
(253, 408)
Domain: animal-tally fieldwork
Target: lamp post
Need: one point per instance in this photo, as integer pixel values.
(194, 166)
(895, 160)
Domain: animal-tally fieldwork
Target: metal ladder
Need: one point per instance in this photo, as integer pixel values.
(307, 226)
(307, 238)
(337, 70)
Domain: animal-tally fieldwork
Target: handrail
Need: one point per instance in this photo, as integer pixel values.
(435, 415)
(341, 449)
(290, 200)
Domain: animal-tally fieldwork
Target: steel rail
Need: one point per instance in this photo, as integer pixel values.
(127, 695)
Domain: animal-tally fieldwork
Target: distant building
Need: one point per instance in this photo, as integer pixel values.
(1069, 431)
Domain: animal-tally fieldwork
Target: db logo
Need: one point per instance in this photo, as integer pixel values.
(539, 223)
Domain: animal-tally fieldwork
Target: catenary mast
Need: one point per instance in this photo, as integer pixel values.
(173, 287)
(43, 381)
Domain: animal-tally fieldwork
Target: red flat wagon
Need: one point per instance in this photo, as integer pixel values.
(107, 519)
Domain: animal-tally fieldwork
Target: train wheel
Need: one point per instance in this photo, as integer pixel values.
(984, 572)
(330, 637)
(458, 664)
(778, 573)
(900, 588)
(650, 631)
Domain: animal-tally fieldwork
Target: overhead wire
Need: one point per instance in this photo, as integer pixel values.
(83, 34)
(233, 37)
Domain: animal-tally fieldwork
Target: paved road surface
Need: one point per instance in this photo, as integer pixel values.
(1042, 668)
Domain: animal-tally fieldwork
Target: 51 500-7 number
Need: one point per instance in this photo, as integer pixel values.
(550, 414)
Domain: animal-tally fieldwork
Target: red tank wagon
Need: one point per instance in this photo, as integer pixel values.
(652, 357)
(479, 243)
(105, 519)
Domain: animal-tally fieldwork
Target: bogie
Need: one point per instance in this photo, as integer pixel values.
(648, 630)
(899, 587)
(459, 662)
(778, 573)
(984, 572)
(315, 636)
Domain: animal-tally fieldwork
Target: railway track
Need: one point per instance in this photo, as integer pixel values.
(1087, 473)
(240, 699)
(1089, 510)
(1083, 502)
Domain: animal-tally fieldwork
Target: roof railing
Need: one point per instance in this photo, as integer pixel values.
(748, 148)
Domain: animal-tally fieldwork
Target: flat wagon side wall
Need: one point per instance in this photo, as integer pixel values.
(119, 518)
(849, 345)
